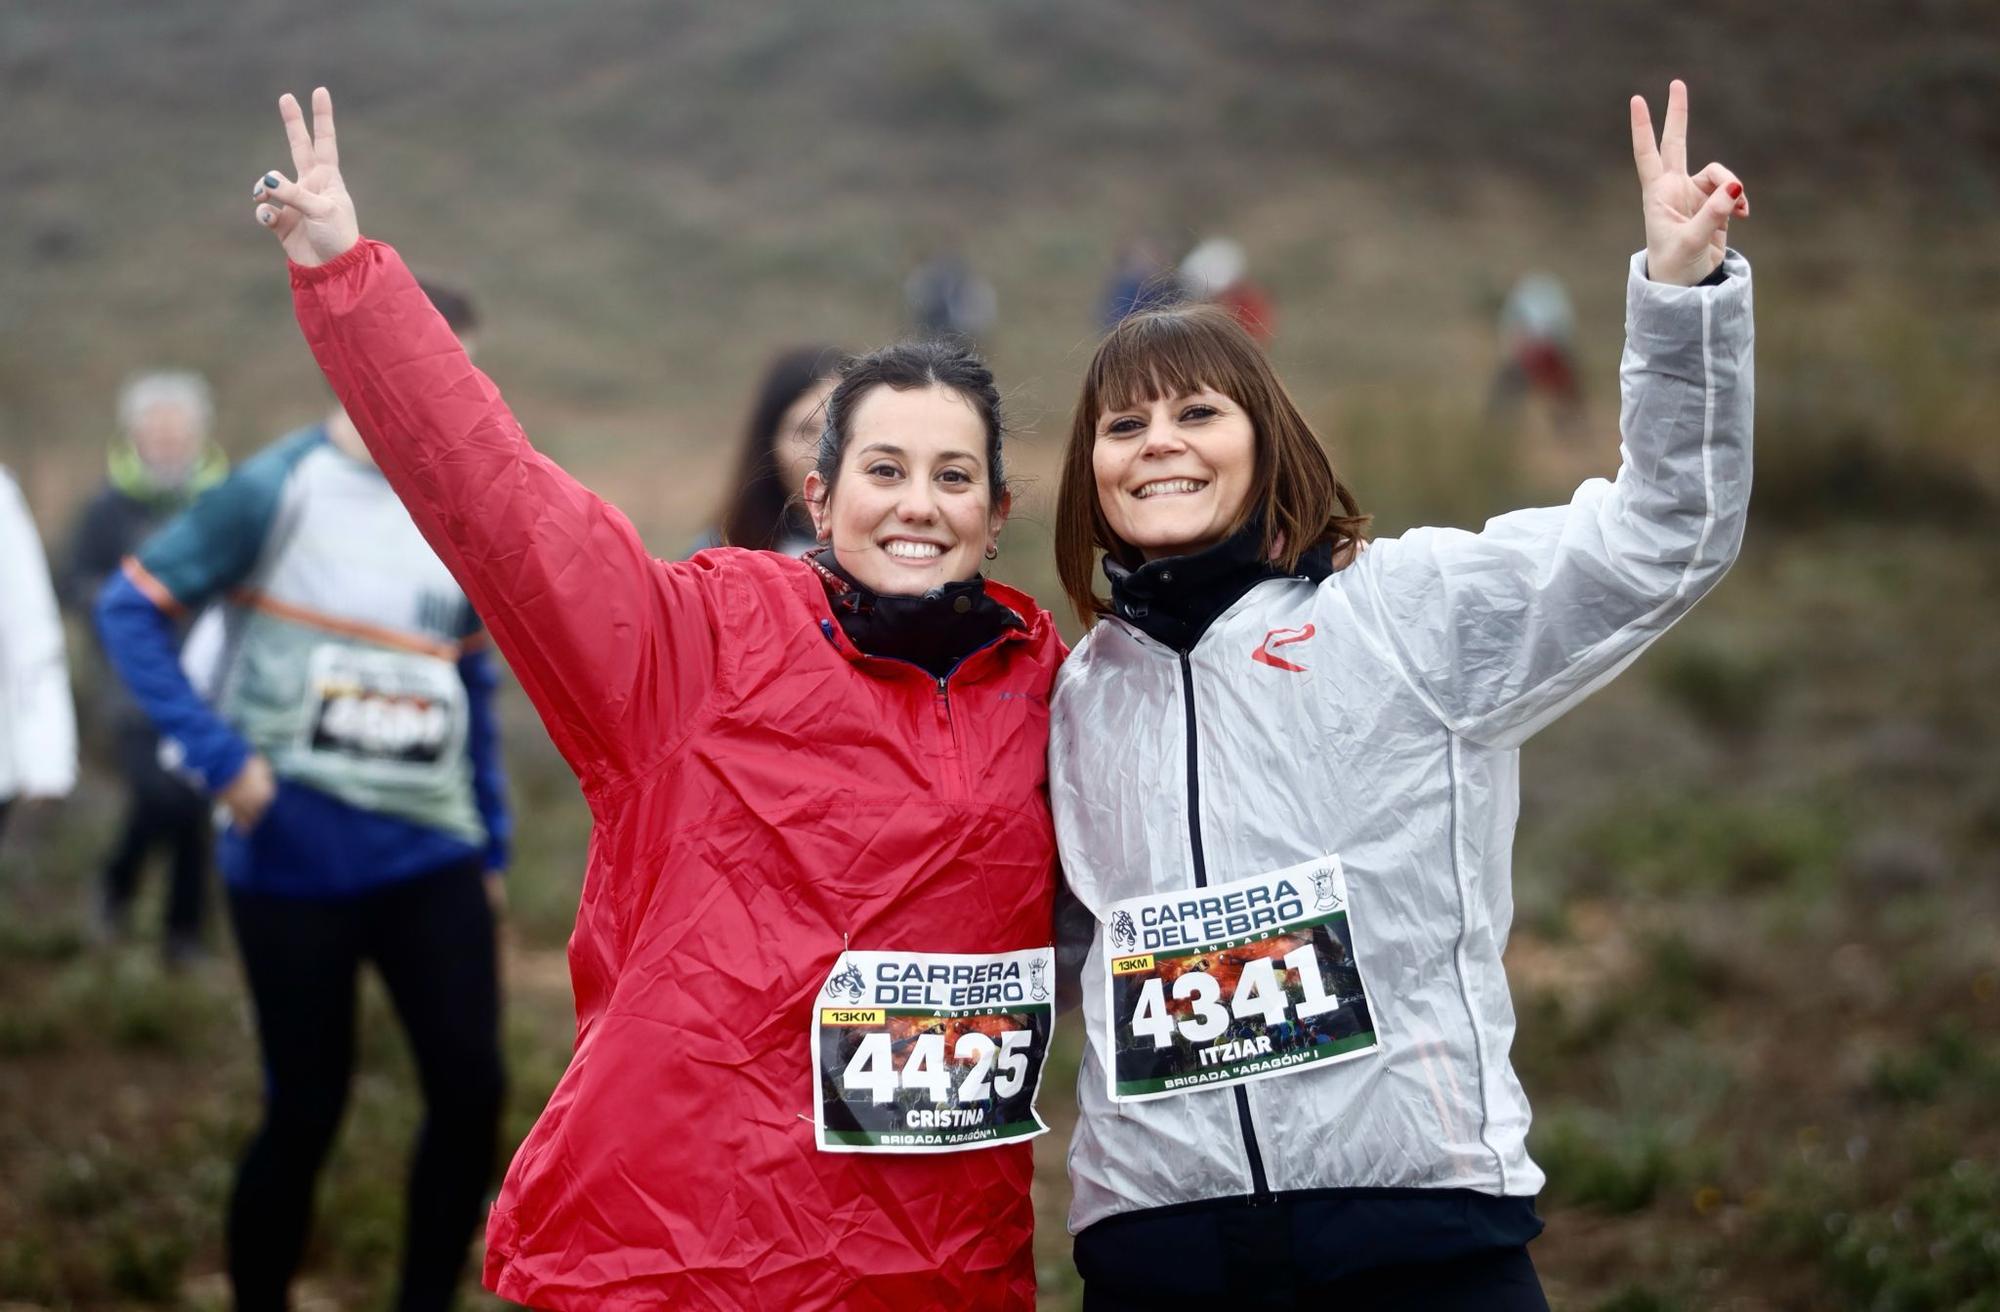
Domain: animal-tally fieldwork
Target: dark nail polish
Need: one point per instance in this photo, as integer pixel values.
(270, 179)
(1735, 189)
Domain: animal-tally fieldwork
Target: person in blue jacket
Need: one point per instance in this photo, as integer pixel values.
(337, 698)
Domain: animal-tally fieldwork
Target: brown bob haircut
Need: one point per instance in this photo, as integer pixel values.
(1171, 352)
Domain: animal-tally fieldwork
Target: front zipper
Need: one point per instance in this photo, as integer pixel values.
(951, 733)
(944, 705)
(1260, 1186)
(942, 701)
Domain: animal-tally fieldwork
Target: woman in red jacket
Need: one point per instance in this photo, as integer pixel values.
(811, 959)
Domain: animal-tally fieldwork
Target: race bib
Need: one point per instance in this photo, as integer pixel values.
(925, 1052)
(388, 707)
(1232, 983)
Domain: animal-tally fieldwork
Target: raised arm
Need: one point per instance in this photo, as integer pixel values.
(616, 649)
(1501, 631)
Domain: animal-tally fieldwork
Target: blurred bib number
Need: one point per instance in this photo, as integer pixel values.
(930, 1052)
(391, 707)
(1233, 982)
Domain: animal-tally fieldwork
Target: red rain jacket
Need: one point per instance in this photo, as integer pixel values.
(763, 794)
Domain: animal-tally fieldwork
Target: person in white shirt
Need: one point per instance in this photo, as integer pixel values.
(37, 718)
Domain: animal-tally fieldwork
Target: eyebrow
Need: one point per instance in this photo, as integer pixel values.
(890, 449)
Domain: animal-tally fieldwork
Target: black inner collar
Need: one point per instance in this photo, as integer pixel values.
(934, 630)
(1174, 599)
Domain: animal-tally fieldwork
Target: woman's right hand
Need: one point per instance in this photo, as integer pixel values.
(311, 213)
(250, 793)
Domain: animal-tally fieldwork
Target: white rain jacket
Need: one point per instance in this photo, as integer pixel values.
(1393, 742)
(37, 719)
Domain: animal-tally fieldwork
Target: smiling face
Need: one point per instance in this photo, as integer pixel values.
(1173, 473)
(913, 507)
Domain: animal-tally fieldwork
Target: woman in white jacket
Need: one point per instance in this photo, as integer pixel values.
(37, 720)
(1284, 771)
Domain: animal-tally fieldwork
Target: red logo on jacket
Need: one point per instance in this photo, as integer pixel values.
(1281, 638)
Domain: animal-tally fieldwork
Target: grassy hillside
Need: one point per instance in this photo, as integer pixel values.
(1754, 962)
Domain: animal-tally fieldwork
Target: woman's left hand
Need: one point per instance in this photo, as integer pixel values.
(1687, 216)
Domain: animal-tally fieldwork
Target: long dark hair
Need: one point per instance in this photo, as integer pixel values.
(1295, 490)
(932, 362)
(758, 507)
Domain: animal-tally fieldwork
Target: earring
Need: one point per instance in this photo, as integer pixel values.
(992, 551)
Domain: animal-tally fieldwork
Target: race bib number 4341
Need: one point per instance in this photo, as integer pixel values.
(928, 1052)
(1235, 982)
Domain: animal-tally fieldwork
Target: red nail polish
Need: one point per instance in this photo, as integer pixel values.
(1735, 190)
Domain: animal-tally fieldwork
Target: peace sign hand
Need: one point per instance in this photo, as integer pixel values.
(312, 216)
(1687, 217)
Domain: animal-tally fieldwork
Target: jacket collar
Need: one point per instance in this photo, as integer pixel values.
(934, 631)
(139, 481)
(1174, 599)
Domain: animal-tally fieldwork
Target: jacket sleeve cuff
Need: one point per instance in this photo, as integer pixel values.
(1658, 313)
(218, 763)
(311, 275)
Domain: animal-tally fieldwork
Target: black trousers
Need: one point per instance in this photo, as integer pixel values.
(1501, 1281)
(432, 941)
(1350, 1248)
(160, 810)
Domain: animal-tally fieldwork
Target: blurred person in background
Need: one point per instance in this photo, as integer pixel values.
(784, 759)
(345, 720)
(1217, 271)
(37, 718)
(163, 460)
(946, 298)
(1538, 354)
(1141, 280)
(1343, 721)
(766, 509)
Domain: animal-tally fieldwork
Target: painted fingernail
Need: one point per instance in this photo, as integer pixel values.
(271, 180)
(258, 191)
(1735, 190)
(264, 216)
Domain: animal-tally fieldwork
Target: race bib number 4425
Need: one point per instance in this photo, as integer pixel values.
(928, 1052)
(1235, 982)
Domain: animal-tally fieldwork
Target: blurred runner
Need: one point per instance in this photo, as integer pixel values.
(1537, 331)
(163, 460)
(766, 509)
(37, 719)
(1141, 280)
(345, 720)
(1218, 271)
(947, 299)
